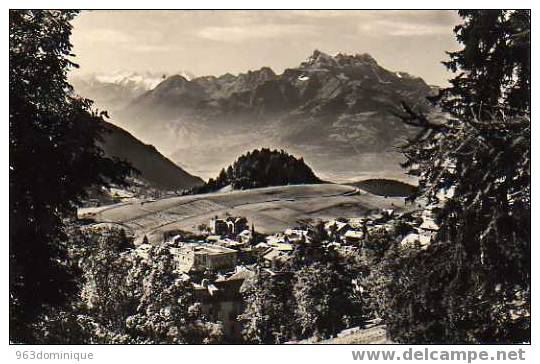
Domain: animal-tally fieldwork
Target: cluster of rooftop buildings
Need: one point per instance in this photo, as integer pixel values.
(221, 261)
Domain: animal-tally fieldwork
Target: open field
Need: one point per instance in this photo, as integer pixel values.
(271, 209)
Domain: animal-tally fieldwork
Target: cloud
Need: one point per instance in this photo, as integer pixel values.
(412, 29)
(404, 29)
(105, 35)
(249, 25)
(248, 32)
(151, 48)
(322, 14)
(142, 41)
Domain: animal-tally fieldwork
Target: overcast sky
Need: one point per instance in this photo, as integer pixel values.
(216, 42)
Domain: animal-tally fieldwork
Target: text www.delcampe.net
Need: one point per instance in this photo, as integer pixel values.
(426, 354)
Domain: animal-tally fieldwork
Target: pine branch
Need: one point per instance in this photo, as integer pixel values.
(416, 119)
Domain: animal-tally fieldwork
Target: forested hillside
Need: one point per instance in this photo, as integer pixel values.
(262, 168)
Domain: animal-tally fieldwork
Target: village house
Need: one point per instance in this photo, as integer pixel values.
(192, 257)
(245, 236)
(424, 233)
(276, 239)
(295, 235)
(229, 243)
(354, 237)
(337, 229)
(248, 255)
(222, 301)
(275, 259)
(428, 224)
(412, 238)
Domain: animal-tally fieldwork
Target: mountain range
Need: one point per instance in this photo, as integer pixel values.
(320, 85)
(335, 111)
(113, 91)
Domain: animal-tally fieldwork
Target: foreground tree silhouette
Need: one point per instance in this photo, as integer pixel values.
(493, 67)
(472, 284)
(53, 159)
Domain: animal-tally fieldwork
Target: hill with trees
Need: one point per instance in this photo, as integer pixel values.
(262, 168)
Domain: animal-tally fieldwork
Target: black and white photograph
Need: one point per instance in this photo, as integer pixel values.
(247, 177)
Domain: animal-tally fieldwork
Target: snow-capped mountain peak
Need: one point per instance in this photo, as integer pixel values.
(133, 79)
(114, 90)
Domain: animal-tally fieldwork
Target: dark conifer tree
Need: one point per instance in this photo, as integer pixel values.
(53, 159)
(493, 67)
(474, 284)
